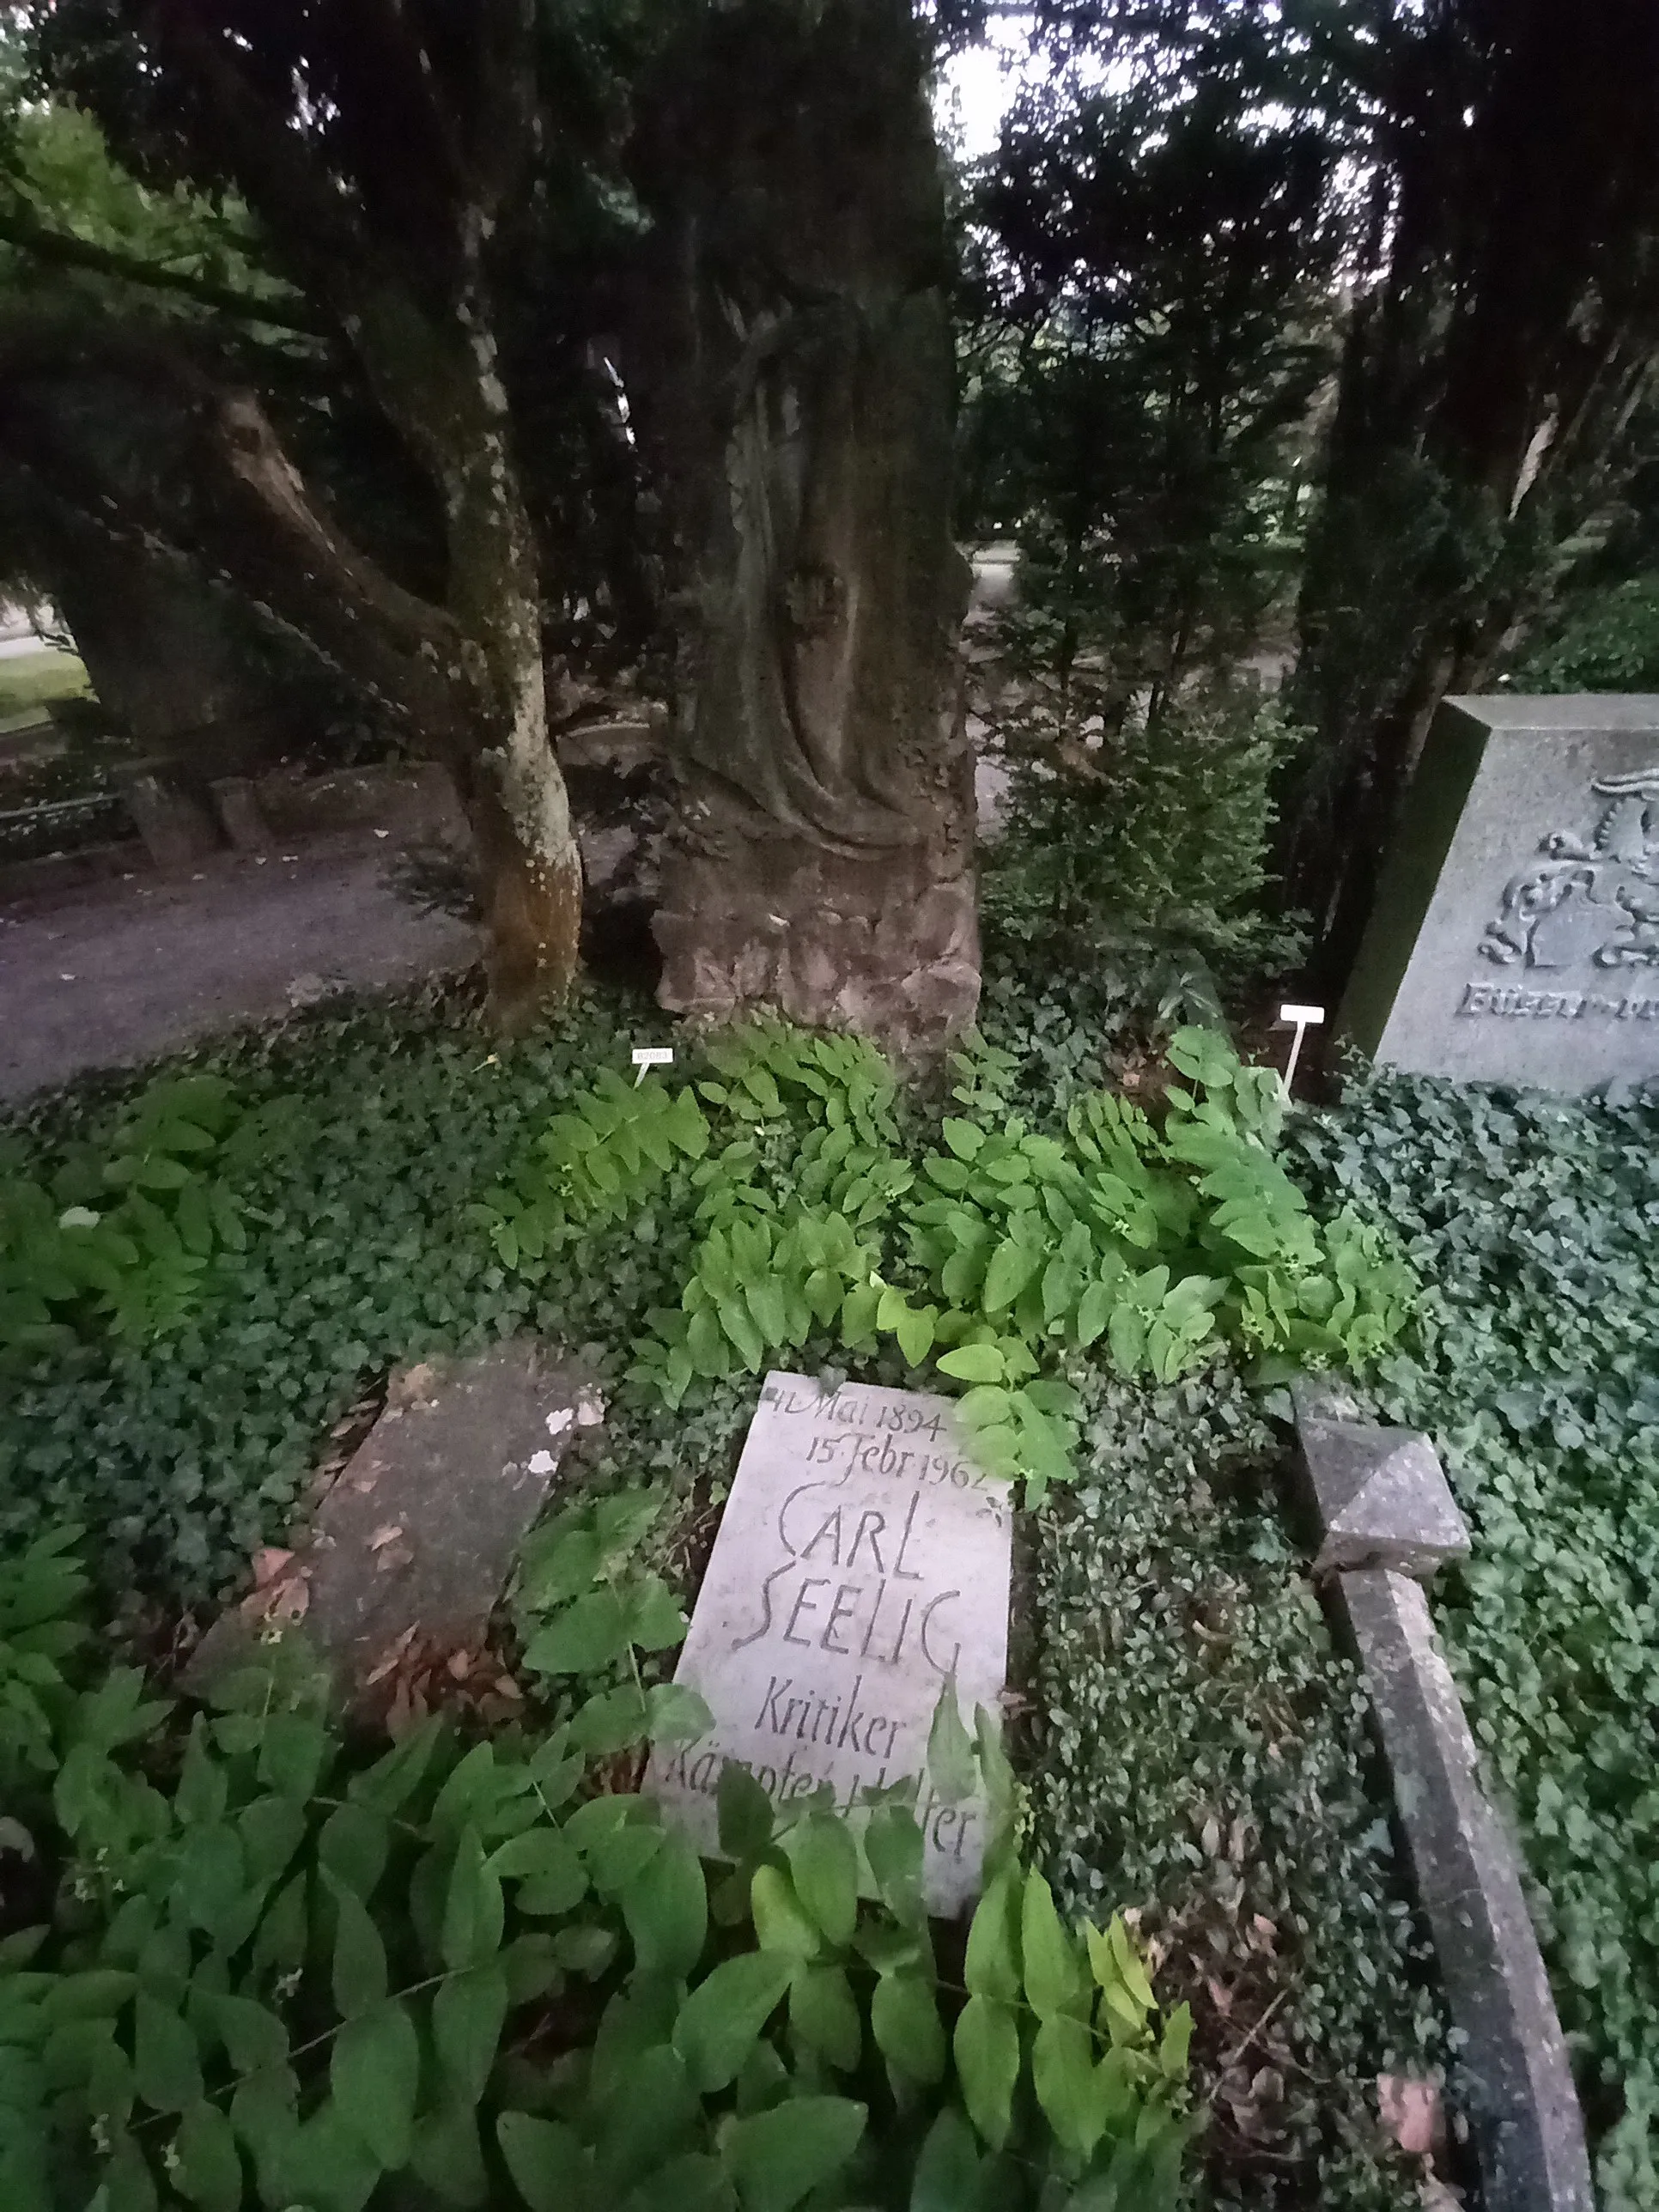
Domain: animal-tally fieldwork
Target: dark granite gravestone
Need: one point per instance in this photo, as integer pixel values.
(1515, 935)
(862, 1564)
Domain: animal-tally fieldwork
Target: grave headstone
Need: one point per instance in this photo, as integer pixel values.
(1515, 933)
(415, 1536)
(862, 1562)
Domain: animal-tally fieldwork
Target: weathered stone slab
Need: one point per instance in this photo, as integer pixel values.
(419, 1530)
(1380, 1495)
(237, 801)
(1518, 2086)
(1515, 935)
(175, 827)
(862, 1562)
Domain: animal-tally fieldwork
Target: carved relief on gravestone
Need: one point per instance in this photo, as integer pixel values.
(1515, 933)
(862, 1564)
(1595, 896)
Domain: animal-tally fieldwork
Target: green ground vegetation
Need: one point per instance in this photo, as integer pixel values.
(1532, 1223)
(29, 680)
(381, 1131)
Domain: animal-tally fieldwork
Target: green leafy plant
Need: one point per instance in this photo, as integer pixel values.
(1530, 1220)
(1136, 852)
(1009, 1249)
(291, 1969)
(585, 1607)
(123, 1234)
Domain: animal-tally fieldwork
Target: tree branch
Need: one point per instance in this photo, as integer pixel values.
(25, 231)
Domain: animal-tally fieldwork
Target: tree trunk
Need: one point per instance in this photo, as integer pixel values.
(794, 373)
(166, 658)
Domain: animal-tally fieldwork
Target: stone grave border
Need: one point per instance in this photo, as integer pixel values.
(1386, 1520)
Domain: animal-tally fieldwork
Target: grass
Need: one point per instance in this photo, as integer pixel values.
(32, 680)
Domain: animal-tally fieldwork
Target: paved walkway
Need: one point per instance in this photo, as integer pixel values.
(123, 970)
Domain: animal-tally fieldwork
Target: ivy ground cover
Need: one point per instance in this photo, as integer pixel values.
(1199, 1747)
(1534, 1226)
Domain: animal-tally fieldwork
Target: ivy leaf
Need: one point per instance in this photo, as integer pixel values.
(468, 2013)
(904, 2017)
(986, 2046)
(374, 2073)
(824, 1861)
(720, 2022)
(210, 2166)
(778, 2157)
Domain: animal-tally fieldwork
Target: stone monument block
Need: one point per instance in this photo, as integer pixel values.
(1379, 1494)
(1515, 933)
(862, 1564)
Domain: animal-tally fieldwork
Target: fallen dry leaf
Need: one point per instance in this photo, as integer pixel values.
(392, 1558)
(460, 1665)
(387, 1533)
(269, 1564)
(288, 1600)
(1410, 2110)
(393, 1654)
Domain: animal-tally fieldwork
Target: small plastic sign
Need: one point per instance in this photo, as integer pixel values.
(650, 1055)
(1304, 1018)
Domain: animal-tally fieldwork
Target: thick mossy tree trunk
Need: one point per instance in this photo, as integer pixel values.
(1505, 337)
(790, 366)
(382, 149)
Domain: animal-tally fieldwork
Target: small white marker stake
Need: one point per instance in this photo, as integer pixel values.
(650, 1055)
(1305, 1017)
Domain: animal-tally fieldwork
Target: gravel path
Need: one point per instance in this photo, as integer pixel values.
(123, 970)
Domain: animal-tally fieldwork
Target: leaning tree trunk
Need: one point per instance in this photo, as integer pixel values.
(793, 375)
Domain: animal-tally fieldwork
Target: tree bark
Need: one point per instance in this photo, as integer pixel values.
(792, 373)
(381, 164)
(1488, 382)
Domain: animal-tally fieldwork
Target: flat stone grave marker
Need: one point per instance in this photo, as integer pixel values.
(862, 1564)
(1515, 933)
(417, 1534)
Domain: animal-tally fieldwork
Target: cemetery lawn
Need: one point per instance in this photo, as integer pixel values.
(1192, 1745)
(1534, 1223)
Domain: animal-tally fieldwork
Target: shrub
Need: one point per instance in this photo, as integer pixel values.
(1141, 853)
(290, 1969)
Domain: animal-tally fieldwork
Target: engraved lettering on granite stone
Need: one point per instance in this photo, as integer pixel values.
(862, 1564)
